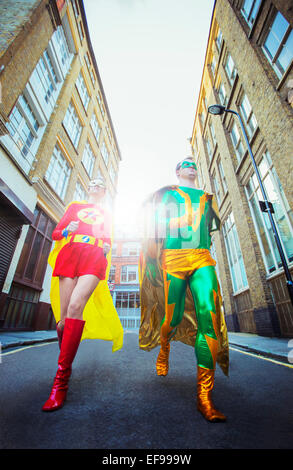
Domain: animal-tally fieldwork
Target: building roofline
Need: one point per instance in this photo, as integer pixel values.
(83, 15)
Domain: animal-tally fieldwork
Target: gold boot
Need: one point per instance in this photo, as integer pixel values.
(205, 383)
(162, 364)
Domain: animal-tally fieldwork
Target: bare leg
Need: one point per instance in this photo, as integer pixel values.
(66, 286)
(82, 291)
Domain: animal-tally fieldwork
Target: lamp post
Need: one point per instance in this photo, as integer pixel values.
(265, 206)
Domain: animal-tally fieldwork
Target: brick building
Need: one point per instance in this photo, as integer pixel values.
(56, 133)
(124, 278)
(248, 68)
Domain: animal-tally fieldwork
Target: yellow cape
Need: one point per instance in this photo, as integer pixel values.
(100, 315)
(152, 300)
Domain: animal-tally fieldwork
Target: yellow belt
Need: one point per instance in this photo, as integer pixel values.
(89, 240)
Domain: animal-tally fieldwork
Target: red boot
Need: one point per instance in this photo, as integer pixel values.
(71, 339)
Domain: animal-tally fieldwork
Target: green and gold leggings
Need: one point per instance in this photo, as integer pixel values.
(204, 288)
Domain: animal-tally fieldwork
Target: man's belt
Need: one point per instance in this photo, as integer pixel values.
(79, 238)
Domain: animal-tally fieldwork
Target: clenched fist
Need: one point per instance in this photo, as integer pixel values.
(73, 226)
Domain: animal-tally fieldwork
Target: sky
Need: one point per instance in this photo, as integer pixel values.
(150, 55)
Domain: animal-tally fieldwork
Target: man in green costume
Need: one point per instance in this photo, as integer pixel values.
(180, 295)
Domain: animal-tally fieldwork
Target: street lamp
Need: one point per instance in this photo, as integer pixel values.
(265, 206)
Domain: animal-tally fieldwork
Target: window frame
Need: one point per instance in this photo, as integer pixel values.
(72, 124)
(248, 116)
(105, 153)
(223, 97)
(83, 90)
(250, 21)
(254, 193)
(237, 144)
(273, 58)
(125, 270)
(231, 240)
(96, 128)
(88, 158)
(121, 299)
(231, 73)
(52, 181)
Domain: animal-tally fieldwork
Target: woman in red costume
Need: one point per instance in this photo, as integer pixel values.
(80, 265)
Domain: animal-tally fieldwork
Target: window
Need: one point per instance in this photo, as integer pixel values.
(248, 116)
(72, 125)
(127, 300)
(93, 78)
(33, 109)
(222, 95)
(108, 132)
(82, 90)
(88, 159)
(88, 63)
(213, 134)
(129, 274)
(235, 259)
(219, 39)
(105, 153)
(230, 69)
(130, 249)
(209, 147)
(278, 45)
(75, 9)
(216, 188)
(222, 176)
(95, 126)
(101, 106)
(283, 215)
(62, 51)
(112, 273)
(201, 184)
(112, 173)
(213, 66)
(249, 10)
(24, 129)
(114, 249)
(80, 193)
(47, 80)
(58, 173)
(235, 136)
(87, 60)
(80, 31)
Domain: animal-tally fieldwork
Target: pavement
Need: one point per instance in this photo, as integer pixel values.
(280, 349)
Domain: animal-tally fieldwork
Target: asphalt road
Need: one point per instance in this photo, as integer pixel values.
(116, 401)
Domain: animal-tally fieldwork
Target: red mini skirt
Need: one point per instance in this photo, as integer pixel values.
(78, 259)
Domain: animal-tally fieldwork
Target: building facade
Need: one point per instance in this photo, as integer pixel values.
(248, 69)
(56, 134)
(124, 280)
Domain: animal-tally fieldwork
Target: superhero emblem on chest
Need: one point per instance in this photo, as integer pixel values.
(90, 216)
